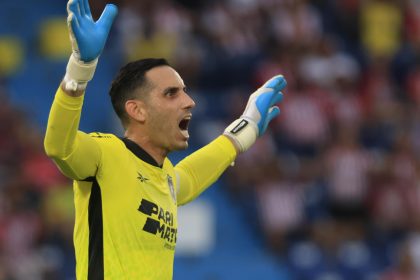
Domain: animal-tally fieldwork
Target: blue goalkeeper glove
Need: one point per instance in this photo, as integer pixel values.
(259, 111)
(87, 39)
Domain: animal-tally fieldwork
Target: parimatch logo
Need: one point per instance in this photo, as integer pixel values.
(159, 222)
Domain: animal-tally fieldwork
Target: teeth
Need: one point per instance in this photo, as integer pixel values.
(185, 133)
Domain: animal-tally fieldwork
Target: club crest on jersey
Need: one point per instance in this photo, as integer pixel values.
(141, 177)
(171, 188)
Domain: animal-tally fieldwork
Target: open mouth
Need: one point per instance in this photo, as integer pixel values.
(183, 124)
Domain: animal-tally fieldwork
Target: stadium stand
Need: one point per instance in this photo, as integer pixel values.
(330, 193)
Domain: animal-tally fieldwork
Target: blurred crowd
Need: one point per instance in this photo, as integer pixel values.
(332, 189)
(36, 209)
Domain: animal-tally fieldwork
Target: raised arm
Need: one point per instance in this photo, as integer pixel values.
(75, 152)
(202, 168)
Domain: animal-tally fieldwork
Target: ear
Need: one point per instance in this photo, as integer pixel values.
(136, 109)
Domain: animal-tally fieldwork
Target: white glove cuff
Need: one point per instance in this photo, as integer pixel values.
(78, 73)
(244, 132)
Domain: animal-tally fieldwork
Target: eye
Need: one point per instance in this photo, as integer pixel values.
(170, 92)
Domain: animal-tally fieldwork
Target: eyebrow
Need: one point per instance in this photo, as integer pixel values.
(170, 89)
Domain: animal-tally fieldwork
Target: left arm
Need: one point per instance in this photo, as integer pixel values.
(201, 169)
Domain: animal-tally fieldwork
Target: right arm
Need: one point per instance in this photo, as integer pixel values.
(76, 153)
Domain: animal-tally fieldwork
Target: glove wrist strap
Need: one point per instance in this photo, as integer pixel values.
(243, 132)
(78, 73)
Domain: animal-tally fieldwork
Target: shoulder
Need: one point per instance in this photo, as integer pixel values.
(100, 135)
(106, 140)
(113, 149)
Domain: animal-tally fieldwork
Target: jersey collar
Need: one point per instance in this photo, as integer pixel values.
(139, 152)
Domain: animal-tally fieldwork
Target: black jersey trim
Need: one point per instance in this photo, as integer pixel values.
(89, 179)
(139, 152)
(96, 240)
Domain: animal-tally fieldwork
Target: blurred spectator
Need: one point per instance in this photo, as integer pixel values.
(381, 27)
(405, 268)
(280, 200)
(304, 122)
(346, 103)
(347, 169)
(296, 22)
(324, 64)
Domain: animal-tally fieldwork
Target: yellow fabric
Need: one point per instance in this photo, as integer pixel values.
(12, 55)
(158, 45)
(138, 200)
(202, 168)
(58, 208)
(126, 182)
(381, 25)
(54, 39)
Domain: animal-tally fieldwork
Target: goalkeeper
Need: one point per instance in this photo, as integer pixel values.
(126, 191)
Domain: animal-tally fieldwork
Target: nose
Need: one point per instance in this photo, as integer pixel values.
(189, 102)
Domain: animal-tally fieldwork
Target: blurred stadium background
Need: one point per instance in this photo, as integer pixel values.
(332, 192)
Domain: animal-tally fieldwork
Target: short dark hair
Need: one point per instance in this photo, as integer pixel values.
(130, 78)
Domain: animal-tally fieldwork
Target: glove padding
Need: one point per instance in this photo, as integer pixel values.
(258, 113)
(87, 39)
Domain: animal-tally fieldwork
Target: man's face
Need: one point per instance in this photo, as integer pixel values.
(168, 109)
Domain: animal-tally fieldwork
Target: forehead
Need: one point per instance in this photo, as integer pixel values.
(164, 76)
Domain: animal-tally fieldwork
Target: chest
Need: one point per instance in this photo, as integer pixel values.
(143, 194)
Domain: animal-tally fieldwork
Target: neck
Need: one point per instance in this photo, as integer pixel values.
(158, 154)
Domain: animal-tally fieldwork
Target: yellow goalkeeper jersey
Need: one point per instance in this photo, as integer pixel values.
(126, 204)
